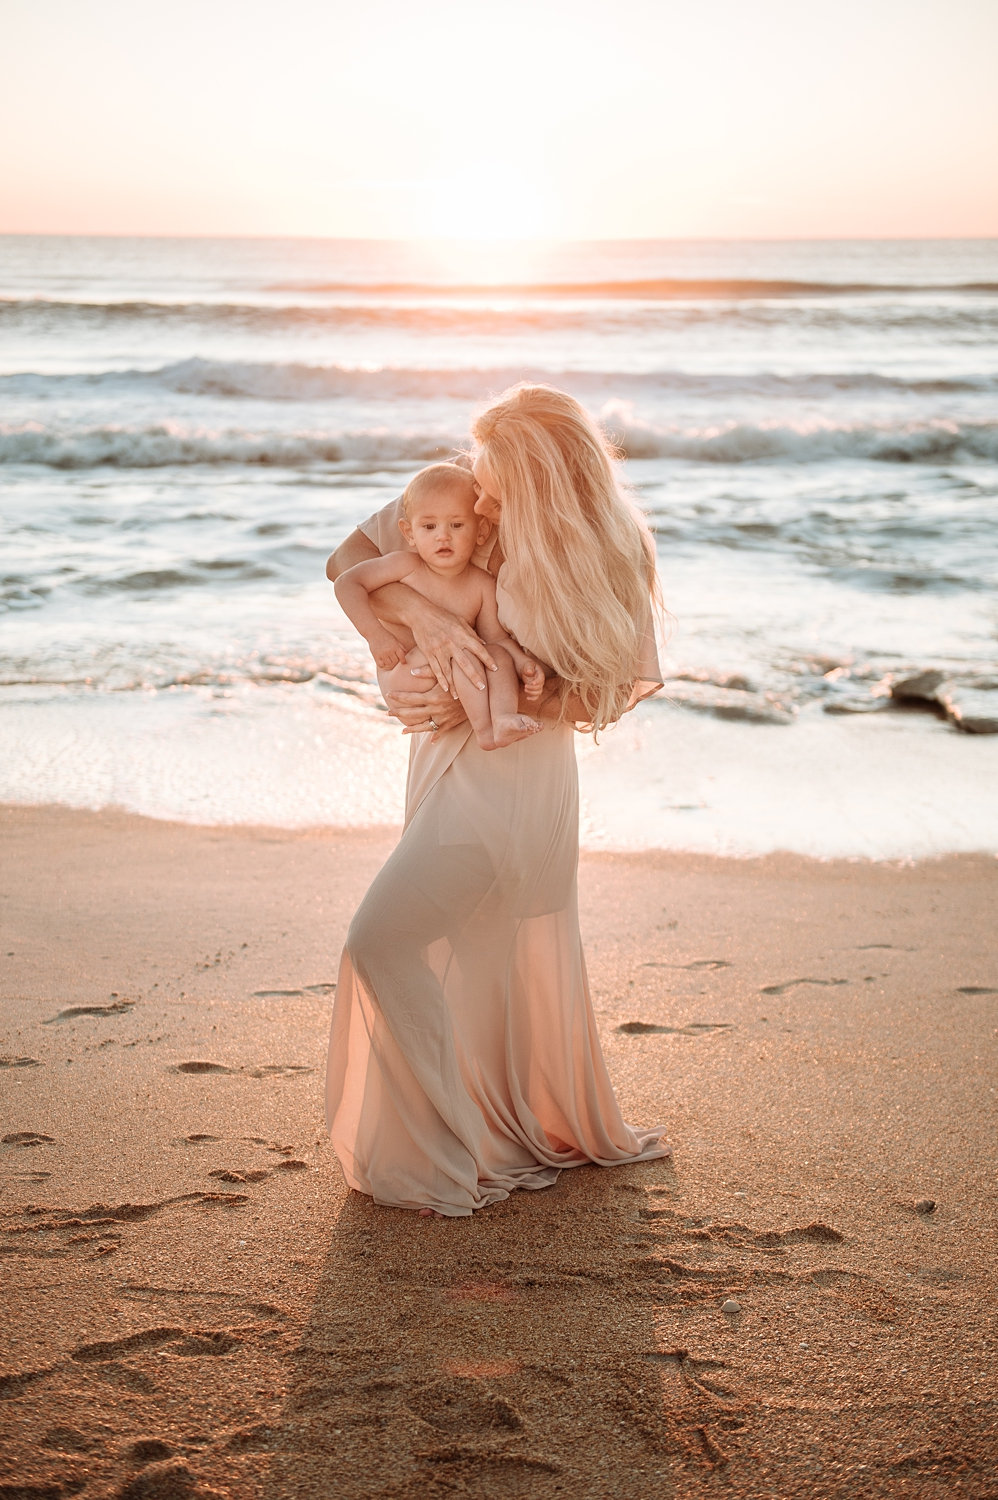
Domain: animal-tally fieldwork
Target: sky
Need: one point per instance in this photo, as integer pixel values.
(556, 118)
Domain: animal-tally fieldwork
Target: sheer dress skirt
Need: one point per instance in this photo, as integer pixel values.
(464, 1060)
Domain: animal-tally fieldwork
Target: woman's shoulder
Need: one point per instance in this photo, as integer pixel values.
(383, 527)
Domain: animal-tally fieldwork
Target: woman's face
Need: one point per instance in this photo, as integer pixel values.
(488, 504)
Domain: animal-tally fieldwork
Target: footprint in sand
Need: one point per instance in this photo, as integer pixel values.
(224, 1174)
(15, 1384)
(256, 1439)
(148, 1451)
(698, 963)
(167, 1481)
(693, 1028)
(493, 1472)
(266, 1070)
(19, 1062)
(683, 1227)
(279, 1070)
(299, 994)
(790, 984)
(696, 1372)
(27, 1138)
(180, 1341)
(116, 1008)
(462, 1406)
(122, 1213)
(67, 1440)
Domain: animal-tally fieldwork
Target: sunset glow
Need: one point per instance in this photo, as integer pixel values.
(561, 119)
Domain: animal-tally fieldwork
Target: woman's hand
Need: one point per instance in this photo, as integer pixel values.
(447, 643)
(428, 712)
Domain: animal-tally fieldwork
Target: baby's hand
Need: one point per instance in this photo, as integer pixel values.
(387, 651)
(532, 677)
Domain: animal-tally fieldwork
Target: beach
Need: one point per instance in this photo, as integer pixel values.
(196, 1305)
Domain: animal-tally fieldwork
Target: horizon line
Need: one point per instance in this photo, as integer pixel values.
(425, 239)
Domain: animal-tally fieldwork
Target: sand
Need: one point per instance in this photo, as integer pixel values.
(194, 1305)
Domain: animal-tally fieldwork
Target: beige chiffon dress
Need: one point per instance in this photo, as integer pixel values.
(464, 1059)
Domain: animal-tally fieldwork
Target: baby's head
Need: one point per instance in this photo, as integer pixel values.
(439, 518)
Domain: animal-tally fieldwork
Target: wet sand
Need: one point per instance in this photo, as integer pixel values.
(194, 1305)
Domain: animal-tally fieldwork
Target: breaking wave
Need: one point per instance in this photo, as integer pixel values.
(655, 288)
(297, 381)
(167, 444)
(488, 312)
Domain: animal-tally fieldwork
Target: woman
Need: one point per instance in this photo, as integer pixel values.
(464, 1059)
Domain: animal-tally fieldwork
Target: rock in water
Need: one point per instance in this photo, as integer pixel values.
(856, 705)
(973, 709)
(729, 703)
(920, 687)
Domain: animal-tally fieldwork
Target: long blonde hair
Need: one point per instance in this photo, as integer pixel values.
(574, 544)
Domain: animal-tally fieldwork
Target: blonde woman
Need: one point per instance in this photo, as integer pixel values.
(464, 1059)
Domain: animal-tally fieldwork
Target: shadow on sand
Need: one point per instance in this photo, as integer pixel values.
(510, 1354)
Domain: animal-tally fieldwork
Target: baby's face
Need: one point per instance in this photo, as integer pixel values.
(444, 529)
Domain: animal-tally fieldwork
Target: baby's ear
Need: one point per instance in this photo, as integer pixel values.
(406, 529)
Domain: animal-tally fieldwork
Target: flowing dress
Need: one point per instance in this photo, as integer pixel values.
(464, 1059)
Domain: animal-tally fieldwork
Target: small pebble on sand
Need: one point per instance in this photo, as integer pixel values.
(925, 1205)
(731, 1306)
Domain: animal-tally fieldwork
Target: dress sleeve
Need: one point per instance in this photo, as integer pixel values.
(383, 528)
(649, 675)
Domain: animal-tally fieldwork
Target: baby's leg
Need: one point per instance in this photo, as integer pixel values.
(507, 724)
(399, 679)
(475, 702)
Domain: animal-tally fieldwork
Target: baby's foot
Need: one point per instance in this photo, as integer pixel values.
(508, 728)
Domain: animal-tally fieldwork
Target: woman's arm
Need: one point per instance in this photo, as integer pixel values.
(353, 590)
(444, 639)
(356, 549)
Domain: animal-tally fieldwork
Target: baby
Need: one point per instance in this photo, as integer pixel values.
(443, 531)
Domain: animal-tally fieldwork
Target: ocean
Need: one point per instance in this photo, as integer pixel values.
(189, 427)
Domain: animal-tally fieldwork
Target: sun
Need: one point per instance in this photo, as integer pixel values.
(490, 201)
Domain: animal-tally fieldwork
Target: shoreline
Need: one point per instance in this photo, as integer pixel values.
(198, 1308)
(887, 786)
(387, 834)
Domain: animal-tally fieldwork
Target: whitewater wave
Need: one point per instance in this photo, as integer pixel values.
(651, 289)
(298, 381)
(928, 442)
(488, 313)
(169, 444)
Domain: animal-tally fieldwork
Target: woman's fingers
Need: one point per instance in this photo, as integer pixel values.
(478, 647)
(440, 671)
(472, 665)
(427, 701)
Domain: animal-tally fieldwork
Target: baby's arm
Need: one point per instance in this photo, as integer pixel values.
(528, 668)
(352, 590)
